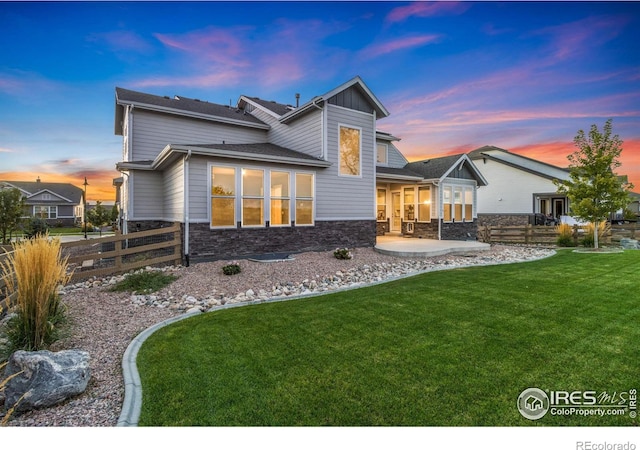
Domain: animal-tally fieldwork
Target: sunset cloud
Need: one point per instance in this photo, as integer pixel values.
(426, 9)
(403, 43)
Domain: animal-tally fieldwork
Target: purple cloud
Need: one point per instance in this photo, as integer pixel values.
(426, 9)
(404, 43)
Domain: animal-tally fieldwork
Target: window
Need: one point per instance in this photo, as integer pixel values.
(446, 203)
(252, 197)
(458, 203)
(457, 197)
(468, 204)
(223, 198)
(424, 203)
(382, 205)
(382, 154)
(349, 151)
(280, 198)
(304, 199)
(409, 204)
(45, 212)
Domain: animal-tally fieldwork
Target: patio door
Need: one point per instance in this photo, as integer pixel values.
(396, 210)
(558, 207)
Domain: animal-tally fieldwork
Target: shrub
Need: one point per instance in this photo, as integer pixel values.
(144, 282)
(588, 240)
(231, 269)
(342, 253)
(33, 272)
(36, 228)
(565, 235)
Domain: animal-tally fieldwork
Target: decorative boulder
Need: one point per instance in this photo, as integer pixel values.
(629, 244)
(47, 378)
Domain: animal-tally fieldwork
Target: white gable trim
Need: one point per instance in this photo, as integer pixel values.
(42, 191)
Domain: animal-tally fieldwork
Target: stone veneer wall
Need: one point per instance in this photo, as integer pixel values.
(422, 230)
(207, 244)
(382, 228)
(459, 231)
(504, 219)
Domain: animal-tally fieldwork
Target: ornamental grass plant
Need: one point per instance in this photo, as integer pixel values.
(603, 229)
(565, 235)
(33, 272)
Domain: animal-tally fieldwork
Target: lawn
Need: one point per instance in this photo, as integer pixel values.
(449, 348)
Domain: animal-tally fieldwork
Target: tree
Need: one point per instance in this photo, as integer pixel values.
(594, 189)
(99, 216)
(11, 212)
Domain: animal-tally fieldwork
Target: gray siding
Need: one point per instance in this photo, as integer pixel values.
(153, 131)
(339, 197)
(148, 191)
(173, 185)
(396, 159)
(352, 98)
(303, 135)
(66, 211)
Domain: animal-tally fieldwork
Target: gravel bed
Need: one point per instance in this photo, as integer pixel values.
(104, 323)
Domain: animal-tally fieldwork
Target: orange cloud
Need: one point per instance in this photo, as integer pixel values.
(100, 185)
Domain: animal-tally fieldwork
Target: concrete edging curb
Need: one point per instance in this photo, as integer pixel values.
(132, 403)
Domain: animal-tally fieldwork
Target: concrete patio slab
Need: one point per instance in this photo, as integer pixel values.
(423, 248)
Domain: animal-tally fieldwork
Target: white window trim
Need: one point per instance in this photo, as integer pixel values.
(313, 199)
(209, 197)
(353, 127)
(463, 187)
(253, 197)
(386, 154)
(268, 213)
(430, 203)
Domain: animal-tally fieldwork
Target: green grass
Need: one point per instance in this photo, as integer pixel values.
(144, 282)
(451, 348)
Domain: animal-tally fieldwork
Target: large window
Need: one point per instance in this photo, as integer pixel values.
(446, 203)
(468, 204)
(457, 197)
(304, 199)
(350, 151)
(382, 154)
(409, 204)
(280, 198)
(252, 197)
(458, 203)
(424, 203)
(45, 212)
(223, 196)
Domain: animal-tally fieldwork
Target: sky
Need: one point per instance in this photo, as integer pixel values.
(523, 76)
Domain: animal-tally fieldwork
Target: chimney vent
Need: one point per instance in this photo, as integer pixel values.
(297, 99)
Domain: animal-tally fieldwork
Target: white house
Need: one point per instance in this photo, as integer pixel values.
(518, 188)
(262, 177)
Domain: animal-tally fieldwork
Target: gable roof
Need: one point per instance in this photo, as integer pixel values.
(65, 191)
(440, 168)
(356, 83)
(279, 109)
(520, 162)
(183, 106)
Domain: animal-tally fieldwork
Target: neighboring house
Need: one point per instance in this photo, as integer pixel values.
(519, 188)
(57, 203)
(261, 176)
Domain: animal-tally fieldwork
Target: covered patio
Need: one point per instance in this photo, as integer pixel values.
(396, 245)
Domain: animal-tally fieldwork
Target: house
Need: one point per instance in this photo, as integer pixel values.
(434, 198)
(60, 204)
(262, 177)
(519, 189)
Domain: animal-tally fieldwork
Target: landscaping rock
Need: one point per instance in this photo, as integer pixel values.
(629, 244)
(47, 378)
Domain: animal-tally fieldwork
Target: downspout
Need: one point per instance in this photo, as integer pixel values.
(186, 207)
(437, 184)
(324, 129)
